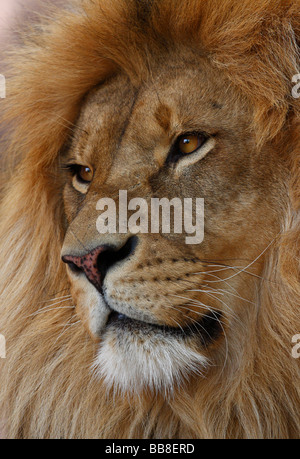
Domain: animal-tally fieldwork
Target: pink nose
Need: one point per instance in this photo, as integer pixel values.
(96, 263)
(88, 263)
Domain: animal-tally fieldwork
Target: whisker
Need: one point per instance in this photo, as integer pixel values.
(54, 294)
(250, 264)
(219, 280)
(200, 313)
(70, 324)
(215, 270)
(233, 315)
(57, 298)
(176, 309)
(65, 327)
(226, 292)
(53, 304)
(241, 269)
(223, 292)
(223, 330)
(44, 310)
(205, 306)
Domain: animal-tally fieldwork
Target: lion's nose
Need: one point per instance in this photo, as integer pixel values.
(96, 263)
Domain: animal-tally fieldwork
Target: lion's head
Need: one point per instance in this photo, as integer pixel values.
(154, 103)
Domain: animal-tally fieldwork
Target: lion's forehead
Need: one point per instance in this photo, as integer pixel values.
(134, 125)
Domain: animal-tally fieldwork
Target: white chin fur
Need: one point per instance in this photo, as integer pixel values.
(130, 362)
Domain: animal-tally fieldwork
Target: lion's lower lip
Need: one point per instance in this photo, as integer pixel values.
(208, 329)
(122, 320)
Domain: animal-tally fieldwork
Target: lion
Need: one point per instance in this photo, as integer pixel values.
(136, 334)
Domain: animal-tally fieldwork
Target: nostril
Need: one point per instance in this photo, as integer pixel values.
(111, 256)
(73, 267)
(127, 249)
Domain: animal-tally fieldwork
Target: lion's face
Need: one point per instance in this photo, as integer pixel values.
(162, 308)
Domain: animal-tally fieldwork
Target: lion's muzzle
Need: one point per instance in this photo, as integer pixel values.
(97, 262)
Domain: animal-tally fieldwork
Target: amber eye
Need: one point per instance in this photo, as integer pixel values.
(187, 144)
(85, 174)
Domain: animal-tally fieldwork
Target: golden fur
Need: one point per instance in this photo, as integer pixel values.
(47, 389)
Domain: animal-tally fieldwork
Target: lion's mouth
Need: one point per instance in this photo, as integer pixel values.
(122, 320)
(208, 328)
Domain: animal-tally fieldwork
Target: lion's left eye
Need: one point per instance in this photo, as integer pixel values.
(84, 174)
(188, 144)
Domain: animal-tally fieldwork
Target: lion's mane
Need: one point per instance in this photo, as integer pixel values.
(47, 389)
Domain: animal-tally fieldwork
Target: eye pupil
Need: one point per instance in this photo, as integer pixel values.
(85, 174)
(190, 143)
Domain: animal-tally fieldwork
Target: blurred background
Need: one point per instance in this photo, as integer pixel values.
(9, 10)
(15, 13)
(12, 12)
